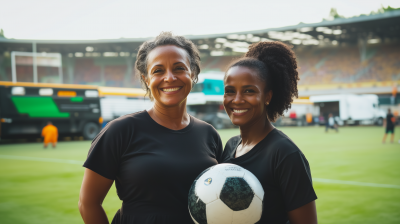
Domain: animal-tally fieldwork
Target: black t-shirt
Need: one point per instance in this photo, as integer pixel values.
(389, 122)
(153, 166)
(283, 171)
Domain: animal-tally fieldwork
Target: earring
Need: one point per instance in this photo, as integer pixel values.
(266, 103)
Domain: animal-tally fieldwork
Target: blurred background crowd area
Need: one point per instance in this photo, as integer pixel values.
(316, 65)
(339, 51)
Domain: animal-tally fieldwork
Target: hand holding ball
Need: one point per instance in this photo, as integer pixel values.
(226, 193)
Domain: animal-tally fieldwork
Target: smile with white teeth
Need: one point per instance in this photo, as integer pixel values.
(240, 111)
(171, 89)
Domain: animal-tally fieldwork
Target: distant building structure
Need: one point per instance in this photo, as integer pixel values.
(353, 55)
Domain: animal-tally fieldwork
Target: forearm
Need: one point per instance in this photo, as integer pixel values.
(307, 214)
(93, 213)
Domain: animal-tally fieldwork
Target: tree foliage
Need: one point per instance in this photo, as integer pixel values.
(333, 14)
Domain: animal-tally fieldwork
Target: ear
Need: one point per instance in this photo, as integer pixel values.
(146, 80)
(268, 97)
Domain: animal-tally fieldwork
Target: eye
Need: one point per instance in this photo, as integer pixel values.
(229, 91)
(157, 70)
(180, 68)
(249, 91)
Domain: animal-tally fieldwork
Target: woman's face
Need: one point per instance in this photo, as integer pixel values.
(169, 76)
(245, 97)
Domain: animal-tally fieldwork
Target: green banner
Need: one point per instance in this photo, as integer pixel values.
(38, 107)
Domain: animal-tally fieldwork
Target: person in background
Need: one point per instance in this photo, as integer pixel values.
(389, 123)
(50, 134)
(330, 124)
(309, 118)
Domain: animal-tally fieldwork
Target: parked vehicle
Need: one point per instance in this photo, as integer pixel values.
(351, 109)
(116, 102)
(25, 108)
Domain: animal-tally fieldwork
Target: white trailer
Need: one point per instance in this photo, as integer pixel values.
(351, 108)
(116, 102)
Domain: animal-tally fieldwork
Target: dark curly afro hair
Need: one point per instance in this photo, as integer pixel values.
(276, 65)
(166, 38)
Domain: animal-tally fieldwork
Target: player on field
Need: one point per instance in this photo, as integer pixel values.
(331, 124)
(389, 123)
(153, 155)
(258, 89)
(50, 135)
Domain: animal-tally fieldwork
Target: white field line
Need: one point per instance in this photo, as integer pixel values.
(330, 181)
(321, 180)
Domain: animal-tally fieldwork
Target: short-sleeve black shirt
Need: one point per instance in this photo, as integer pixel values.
(389, 121)
(153, 166)
(283, 171)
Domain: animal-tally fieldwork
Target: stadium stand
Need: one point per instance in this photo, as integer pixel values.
(335, 64)
(317, 66)
(333, 55)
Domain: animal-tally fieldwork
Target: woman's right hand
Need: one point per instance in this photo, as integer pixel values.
(93, 191)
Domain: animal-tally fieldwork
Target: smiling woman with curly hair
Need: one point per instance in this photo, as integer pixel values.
(154, 155)
(258, 89)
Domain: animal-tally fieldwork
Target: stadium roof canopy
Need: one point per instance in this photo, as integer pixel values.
(370, 29)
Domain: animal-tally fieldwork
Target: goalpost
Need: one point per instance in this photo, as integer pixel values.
(36, 59)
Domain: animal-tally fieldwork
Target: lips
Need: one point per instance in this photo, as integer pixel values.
(171, 89)
(239, 111)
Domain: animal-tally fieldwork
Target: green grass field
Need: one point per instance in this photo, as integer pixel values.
(356, 177)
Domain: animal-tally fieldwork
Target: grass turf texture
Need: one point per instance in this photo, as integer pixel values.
(47, 192)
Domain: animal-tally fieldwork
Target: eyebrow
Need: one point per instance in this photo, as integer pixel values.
(179, 62)
(246, 86)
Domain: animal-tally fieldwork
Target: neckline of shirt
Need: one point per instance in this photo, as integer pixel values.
(253, 150)
(185, 129)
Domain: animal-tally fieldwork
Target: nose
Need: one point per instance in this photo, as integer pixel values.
(238, 99)
(169, 76)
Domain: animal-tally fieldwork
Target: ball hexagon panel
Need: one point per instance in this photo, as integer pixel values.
(250, 215)
(254, 184)
(209, 185)
(218, 213)
(236, 193)
(197, 207)
(230, 170)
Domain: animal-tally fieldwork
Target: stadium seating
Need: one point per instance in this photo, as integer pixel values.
(316, 66)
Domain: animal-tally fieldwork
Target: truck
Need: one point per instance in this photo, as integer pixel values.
(351, 109)
(116, 102)
(25, 108)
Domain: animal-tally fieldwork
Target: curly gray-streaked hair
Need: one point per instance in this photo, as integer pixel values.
(166, 38)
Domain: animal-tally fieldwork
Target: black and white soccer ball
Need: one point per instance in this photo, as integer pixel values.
(226, 193)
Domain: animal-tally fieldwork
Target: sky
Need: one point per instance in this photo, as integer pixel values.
(113, 19)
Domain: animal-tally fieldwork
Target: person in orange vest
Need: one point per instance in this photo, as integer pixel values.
(50, 134)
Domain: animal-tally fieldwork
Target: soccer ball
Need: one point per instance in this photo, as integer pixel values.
(226, 193)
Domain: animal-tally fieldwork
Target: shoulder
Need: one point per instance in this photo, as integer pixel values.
(123, 124)
(282, 145)
(203, 126)
(232, 143)
(234, 140)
